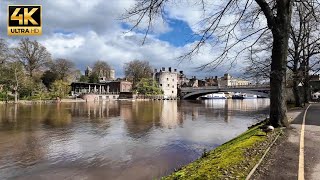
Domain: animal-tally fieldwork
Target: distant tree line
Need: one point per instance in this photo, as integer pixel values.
(140, 74)
(28, 71)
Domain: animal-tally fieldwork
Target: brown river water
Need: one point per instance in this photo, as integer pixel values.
(116, 140)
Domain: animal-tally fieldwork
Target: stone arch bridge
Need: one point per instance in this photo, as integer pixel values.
(193, 93)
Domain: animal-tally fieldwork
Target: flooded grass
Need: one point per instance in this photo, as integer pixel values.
(232, 160)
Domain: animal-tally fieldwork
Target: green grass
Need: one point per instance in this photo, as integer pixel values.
(232, 160)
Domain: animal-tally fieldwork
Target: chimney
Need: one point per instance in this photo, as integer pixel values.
(163, 69)
(181, 72)
(216, 77)
(155, 70)
(175, 70)
(169, 69)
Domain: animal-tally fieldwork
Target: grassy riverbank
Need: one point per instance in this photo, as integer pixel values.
(232, 160)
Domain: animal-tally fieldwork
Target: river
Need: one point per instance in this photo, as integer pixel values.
(116, 140)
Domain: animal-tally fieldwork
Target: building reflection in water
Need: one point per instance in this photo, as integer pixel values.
(96, 110)
(106, 138)
(171, 116)
(139, 117)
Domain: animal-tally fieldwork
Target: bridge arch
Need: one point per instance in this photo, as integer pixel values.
(195, 94)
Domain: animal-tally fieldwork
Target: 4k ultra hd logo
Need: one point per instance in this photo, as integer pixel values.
(24, 20)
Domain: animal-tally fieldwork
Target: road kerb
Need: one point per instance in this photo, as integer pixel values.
(301, 151)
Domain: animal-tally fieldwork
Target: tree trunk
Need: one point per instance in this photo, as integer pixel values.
(278, 107)
(31, 73)
(296, 93)
(16, 86)
(307, 91)
(15, 97)
(7, 97)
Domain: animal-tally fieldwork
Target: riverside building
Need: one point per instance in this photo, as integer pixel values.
(168, 81)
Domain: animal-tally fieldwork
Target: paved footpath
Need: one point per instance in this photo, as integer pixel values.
(296, 155)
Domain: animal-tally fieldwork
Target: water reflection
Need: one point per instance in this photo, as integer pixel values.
(118, 140)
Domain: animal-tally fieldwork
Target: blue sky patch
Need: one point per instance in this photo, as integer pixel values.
(180, 35)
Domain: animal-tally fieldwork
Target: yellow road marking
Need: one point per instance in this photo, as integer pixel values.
(301, 154)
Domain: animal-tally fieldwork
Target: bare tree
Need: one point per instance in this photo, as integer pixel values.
(247, 15)
(32, 55)
(4, 51)
(136, 70)
(304, 48)
(258, 70)
(101, 68)
(303, 43)
(63, 68)
(11, 75)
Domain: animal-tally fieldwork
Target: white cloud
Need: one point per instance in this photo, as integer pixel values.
(86, 31)
(61, 45)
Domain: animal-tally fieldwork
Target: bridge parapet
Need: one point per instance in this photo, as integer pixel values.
(189, 89)
(194, 92)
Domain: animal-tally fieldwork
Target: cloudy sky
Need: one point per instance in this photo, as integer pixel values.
(88, 30)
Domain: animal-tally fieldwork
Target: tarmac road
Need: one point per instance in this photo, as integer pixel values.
(312, 143)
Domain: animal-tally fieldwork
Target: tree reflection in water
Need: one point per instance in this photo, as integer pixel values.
(117, 139)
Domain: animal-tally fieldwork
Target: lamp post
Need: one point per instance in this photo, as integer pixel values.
(300, 86)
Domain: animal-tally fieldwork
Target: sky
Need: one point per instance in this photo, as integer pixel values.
(85, 31)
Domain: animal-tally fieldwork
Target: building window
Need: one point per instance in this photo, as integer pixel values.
(167, 79)
(168, 85)
(172, 92)
(172, 86)
(160, 84)
(173, 80)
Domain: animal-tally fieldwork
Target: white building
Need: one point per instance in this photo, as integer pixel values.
(168, 81)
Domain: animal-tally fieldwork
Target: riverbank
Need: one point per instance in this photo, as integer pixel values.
(69, 101)
(43, 101)
(232, 160)
(236, 158)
